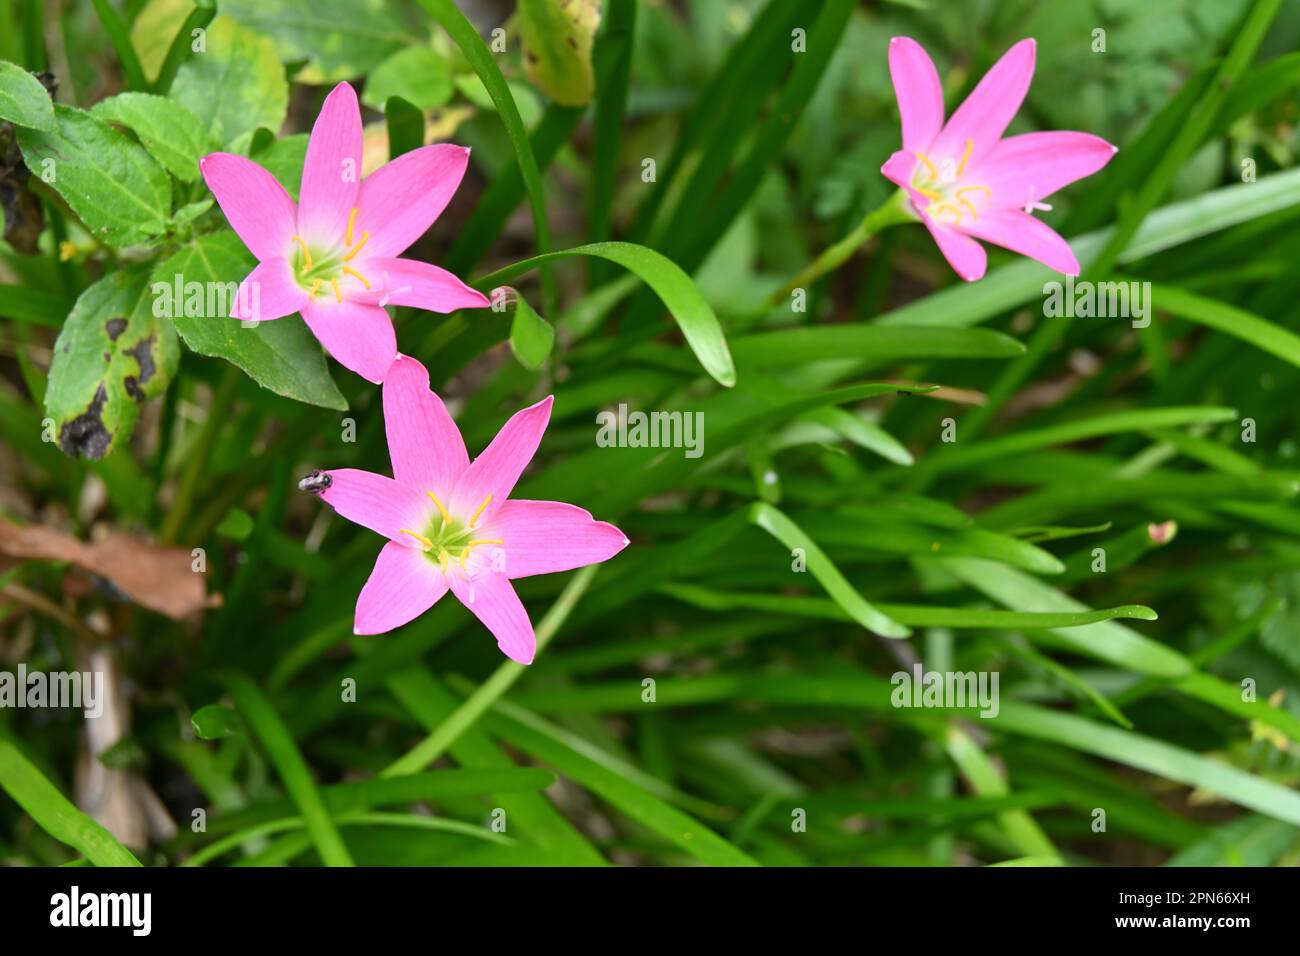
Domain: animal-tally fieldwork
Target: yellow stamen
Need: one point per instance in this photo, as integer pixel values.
(984, 189)
(446, 518)
(948, 207)
(934, 173)
(419, 537)
(353, 252)
(338, 296)
(442, 560)
(352, 218)
(965, 157)
(474, 544)
(928, 192)
(461, 559)
(306, 254)
(315, 284)
(357, 275)
(486, 502)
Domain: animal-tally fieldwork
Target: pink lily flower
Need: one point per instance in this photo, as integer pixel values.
(333, 256)
(965, 181)
(450, 523)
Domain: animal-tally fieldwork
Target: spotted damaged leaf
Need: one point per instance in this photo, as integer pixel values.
(558, 36)
(112, 355)
(111, 182)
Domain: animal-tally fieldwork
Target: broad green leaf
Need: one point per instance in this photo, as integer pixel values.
(405, 126)
(234, 86)
(824, 570)
(558, 37)
(23, 100)
(112, 183)
(339, 39)
(417, 74)
(279, 355)
(693, 315)
(284, 159)
(171, 133)
(154, 28)
(112, 354)
(214, 722)
(55, 814)
(531, 336)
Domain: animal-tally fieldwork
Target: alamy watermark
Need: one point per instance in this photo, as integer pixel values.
(53, 689)
(1100, 300)
(922, 688)
(638, 429)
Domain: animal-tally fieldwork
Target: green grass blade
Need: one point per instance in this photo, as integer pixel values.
(293, 770)
(55, 814)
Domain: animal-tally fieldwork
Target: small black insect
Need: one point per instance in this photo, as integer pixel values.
(316, 482)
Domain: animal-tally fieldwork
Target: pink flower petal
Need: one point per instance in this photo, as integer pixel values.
(400, 200)
(963, 253)
(403, 585)
(898, 169)
(418, 284)
(493, 601)
(1020, 232)
(496, 470)
(358, 335)
(423, 442)
(255, 204)
(545, 537)
(331, 173)
(919, 93)
(989, 109)
(1025, 169)
(268, 292)
(378, 503)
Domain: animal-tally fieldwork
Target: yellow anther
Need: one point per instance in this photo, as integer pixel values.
(352, 218)
(446, 518)
(967, 203)
(353, 251)
(428, 545)
(965, 157)
(928, 192)
(442, 560)
(948, 207)
(486, 501)
(315, 284)
(357, 275)
(306, 254)
(934, 172)
(475, 544)
(338, 295)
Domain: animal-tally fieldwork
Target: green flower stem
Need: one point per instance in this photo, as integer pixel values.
(892, 211)
(476, 704)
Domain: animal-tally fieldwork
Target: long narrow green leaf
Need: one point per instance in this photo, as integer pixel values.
(295, 774)
(693, 315)
(53, 812)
